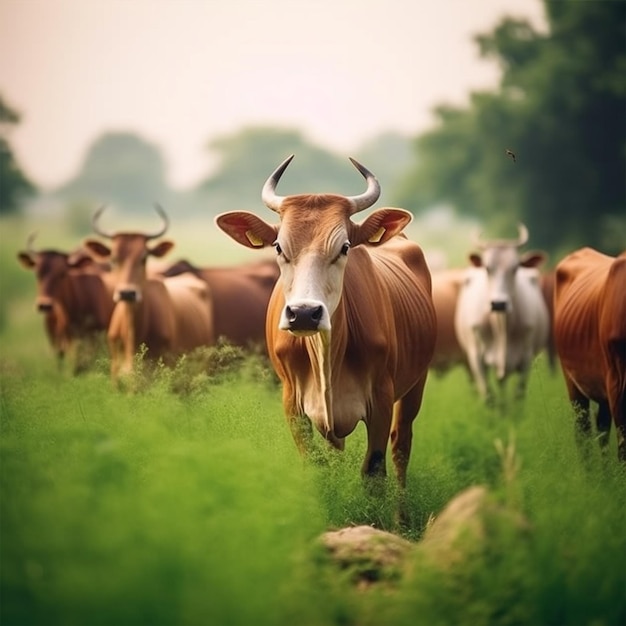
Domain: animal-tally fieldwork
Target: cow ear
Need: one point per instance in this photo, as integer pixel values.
(247, 229)
(161, 248)
(533, 258)
(97, 248)
(80, 262)
(475, 259)
(381, 225)
(26, 260)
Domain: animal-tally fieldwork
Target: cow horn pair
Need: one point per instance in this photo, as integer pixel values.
(360, 202)
(522, 238)
(159, 209)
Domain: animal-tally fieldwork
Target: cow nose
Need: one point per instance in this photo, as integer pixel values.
(304, 317)
(127, 295)
(498, 306)
(44, 307)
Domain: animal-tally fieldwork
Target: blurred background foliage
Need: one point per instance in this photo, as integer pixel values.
(547, 147)
(561, 110)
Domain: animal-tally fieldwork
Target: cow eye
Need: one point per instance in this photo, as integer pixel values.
(345, 248)
(279, 251)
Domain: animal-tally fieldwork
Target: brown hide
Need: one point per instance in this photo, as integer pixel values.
(590, 337)
(446, 287)
(72, 295)
(239, 297)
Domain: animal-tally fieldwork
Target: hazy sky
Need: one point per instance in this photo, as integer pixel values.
(183, 72)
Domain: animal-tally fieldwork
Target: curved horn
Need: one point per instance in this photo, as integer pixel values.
(523, 234)
(166, 222)
(94, 223)
(371, 194)
(268, 193)
(29, 243)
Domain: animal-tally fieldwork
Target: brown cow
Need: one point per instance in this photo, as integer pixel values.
(239, 297)
(351, 324)
(446, 287)
(73, 297)
(590, 339)
(169, 317)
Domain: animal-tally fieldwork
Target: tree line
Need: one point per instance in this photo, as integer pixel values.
(546, 147)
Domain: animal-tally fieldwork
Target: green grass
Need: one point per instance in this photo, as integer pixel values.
(186, 503)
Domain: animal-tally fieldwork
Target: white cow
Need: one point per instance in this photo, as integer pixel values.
(501, 320)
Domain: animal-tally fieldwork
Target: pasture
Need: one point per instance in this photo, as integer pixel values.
(187, 503)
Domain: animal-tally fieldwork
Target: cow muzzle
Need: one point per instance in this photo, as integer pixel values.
(127, 295)
(304, 319)
(44, 306)
(499, 306)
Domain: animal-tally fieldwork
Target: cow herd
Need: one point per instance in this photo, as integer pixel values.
(351, 316)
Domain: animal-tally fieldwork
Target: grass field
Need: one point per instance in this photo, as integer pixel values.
(186, 503)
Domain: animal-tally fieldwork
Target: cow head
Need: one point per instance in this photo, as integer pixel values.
(51, 270)
(313, 241)
(128, 254)
(500, 259)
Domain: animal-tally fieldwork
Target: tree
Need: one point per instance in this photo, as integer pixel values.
(249, 156)
(122, 169)
(14, 185)
(561, 111)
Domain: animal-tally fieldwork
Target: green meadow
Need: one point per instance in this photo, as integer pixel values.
(184, 501)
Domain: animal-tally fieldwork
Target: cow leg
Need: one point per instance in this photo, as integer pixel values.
(477, 367)
(603, 425)
(378, 430)
(580, 403)
(405, 412)
(616, 391)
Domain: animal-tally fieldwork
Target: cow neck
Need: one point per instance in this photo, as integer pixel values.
(67, 298)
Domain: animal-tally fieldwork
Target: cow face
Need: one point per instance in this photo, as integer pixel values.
(312, 243)
(500, 262)
(51, 271)
(128, 255)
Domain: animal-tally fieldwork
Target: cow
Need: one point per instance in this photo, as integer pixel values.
(239, 297)
(590, 339)
(74, 299)
(501, 318)
(446, 287)
(350, 324)
(169, 317)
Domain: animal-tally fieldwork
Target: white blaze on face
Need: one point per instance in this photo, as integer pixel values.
(501, 264)
(312, 279)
